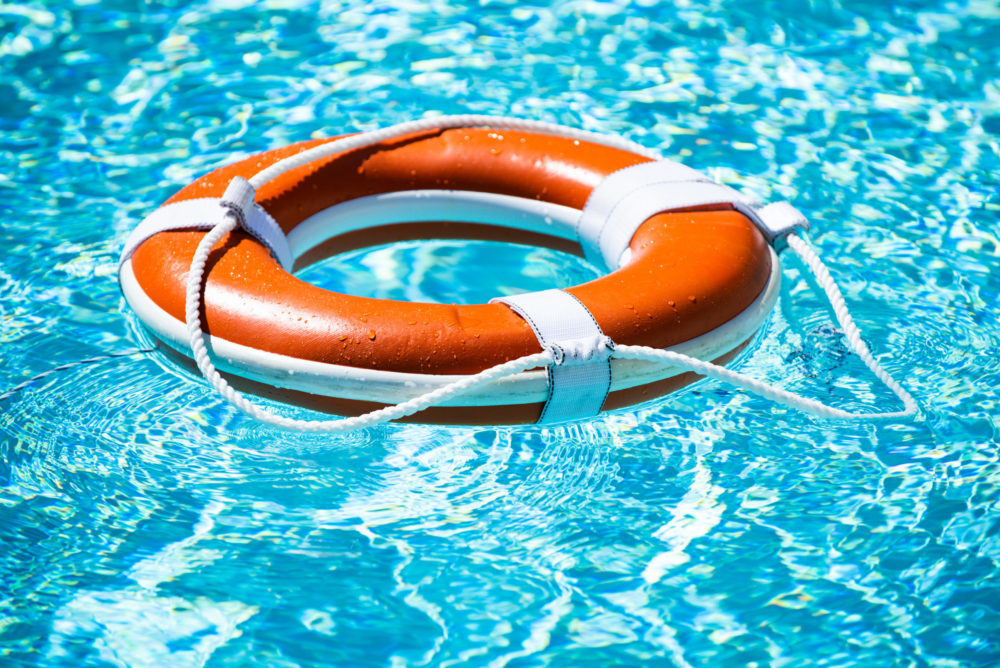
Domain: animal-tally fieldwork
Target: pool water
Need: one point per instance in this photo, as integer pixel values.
(143, 521)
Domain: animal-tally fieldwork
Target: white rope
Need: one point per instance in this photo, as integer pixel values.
(851, 331)
(199, 350)
(381, 416)
(441, 123)
(784, 397)
(196, 276)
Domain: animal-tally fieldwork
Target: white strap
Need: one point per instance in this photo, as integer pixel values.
(615, 189)
(580, 377)
(626, 199)
(205, 213)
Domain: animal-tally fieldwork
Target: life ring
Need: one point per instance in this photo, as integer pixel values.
(701, 280)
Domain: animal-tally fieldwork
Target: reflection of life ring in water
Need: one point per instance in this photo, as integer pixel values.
(699, 279)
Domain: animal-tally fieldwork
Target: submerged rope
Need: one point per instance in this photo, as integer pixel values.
(196, 278)
(63, 367)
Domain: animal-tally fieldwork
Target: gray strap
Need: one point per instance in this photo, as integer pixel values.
(580, 378)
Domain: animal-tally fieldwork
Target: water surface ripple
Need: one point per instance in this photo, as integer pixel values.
(145, 522)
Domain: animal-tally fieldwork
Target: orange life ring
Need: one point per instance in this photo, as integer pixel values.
(692, 273)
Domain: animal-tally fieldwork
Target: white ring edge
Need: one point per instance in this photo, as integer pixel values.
(390, 387)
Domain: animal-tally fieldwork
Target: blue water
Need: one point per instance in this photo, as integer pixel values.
(145, 522)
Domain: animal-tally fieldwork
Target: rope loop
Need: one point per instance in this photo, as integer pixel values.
(239, 196)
